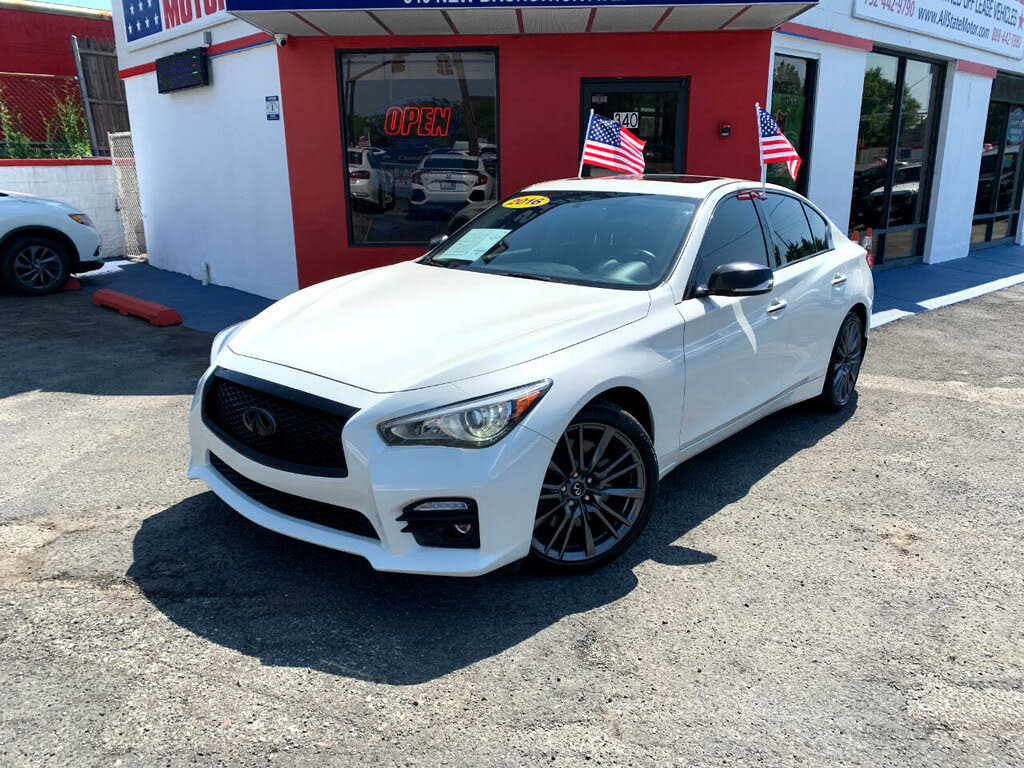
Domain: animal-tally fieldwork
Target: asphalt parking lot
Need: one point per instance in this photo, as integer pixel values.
(818, 590)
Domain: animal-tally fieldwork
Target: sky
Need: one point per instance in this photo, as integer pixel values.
(103, 5)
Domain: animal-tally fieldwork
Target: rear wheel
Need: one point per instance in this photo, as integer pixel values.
(35, 265)
(844, 365)
(598, 492)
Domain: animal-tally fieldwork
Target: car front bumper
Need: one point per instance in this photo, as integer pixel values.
(504, 480)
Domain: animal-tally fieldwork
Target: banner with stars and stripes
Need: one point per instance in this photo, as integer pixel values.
(141, 18)
(145, 19)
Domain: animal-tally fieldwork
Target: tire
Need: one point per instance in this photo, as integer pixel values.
(579, 525)
(35, 265)
(844, 365)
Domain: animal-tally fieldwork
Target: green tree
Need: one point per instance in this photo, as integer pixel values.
(14, 142)
(876, 110)
(66, 132)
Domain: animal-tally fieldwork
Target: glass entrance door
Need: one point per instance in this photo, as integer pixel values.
(653, 110)
(997, 204)
(896, 146)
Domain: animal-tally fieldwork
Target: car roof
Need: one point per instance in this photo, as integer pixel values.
(680, 185)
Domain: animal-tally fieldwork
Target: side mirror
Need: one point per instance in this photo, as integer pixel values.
(436, 240)
(739, 278)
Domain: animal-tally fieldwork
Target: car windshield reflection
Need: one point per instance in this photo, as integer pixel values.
(602, 239)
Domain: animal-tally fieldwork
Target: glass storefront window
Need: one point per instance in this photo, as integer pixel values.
(998, 199)
(900, 109)
(420, 131)
(793, 82)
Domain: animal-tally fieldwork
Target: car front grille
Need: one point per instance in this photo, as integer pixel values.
(275, 425)
(328, 515)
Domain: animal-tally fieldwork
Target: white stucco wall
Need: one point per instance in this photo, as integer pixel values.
(90, 188)
(835, 121)
(958, 160)
(213, 176)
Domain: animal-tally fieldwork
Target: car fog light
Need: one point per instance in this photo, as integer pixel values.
(441, 506)
(463, 529)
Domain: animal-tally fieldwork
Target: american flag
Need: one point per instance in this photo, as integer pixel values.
(775, 147)
(610, 145)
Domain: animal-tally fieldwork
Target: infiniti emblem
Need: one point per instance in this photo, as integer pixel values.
(259, 421)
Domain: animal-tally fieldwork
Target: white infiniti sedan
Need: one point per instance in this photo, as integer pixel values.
(521, 389)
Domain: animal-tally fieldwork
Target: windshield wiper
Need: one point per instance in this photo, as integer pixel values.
(450, 263)
(526, 276)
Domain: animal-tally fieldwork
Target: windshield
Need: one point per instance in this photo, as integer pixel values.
(455, 163)
(604, 239)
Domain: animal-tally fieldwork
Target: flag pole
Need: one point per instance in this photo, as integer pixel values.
(760, 146)
(590, 120)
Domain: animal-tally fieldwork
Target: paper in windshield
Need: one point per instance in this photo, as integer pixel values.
(474, 244)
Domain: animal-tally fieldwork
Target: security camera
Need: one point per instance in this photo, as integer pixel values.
(281, 40)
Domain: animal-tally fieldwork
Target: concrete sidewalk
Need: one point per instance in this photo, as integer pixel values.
(898, 292)
(202, 307)
(921, 287)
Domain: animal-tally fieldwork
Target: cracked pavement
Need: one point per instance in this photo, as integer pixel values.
(818, 590)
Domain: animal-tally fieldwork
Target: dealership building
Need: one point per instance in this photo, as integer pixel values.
(279, 143)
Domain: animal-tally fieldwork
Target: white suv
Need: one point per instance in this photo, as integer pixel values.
(368, 182)
(43, 242)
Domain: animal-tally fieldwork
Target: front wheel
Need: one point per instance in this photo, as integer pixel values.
(844, 365)
(35, 265)
(598, 491)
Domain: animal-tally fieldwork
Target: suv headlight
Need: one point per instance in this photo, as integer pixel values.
(474, 423)
(221, 340)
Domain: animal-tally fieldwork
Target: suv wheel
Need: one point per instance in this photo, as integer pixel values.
(35, 265)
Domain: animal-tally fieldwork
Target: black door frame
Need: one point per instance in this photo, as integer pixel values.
(993, 203)
(925, 185)
(677, 85)
(807, 125)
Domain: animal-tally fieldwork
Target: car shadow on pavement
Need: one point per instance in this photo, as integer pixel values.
(289, 603)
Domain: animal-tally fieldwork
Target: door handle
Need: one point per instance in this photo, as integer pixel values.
(838, 280)
(776, 307)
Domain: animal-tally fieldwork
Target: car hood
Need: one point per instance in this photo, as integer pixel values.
(21, 197)
(414, 325)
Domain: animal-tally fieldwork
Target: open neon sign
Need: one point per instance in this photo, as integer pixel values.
(427, 122)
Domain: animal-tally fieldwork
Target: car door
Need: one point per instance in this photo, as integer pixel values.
(732, 345)
(814, 286)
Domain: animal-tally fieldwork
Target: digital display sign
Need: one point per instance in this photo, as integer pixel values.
(188, 69)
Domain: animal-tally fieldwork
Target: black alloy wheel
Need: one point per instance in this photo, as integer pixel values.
(844, 365)
(598, 491)
(35, 265)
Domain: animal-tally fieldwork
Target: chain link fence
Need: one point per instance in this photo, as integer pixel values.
(41, 116)
(122, 154)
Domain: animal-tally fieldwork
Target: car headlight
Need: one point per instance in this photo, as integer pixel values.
(221, 339)
(470, 424)
(81, 218)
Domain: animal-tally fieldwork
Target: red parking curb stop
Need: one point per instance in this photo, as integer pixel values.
(72, 284)
(157, 314)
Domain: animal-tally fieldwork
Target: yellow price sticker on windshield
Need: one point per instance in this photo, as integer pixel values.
(526, 201)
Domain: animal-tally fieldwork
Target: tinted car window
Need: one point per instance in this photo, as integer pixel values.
(605, 239)
(734, 234)
(355, 158)
(791, 235)
(819, 230)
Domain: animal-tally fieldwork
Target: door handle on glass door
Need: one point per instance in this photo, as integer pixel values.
(776, 307)
(838, 280)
